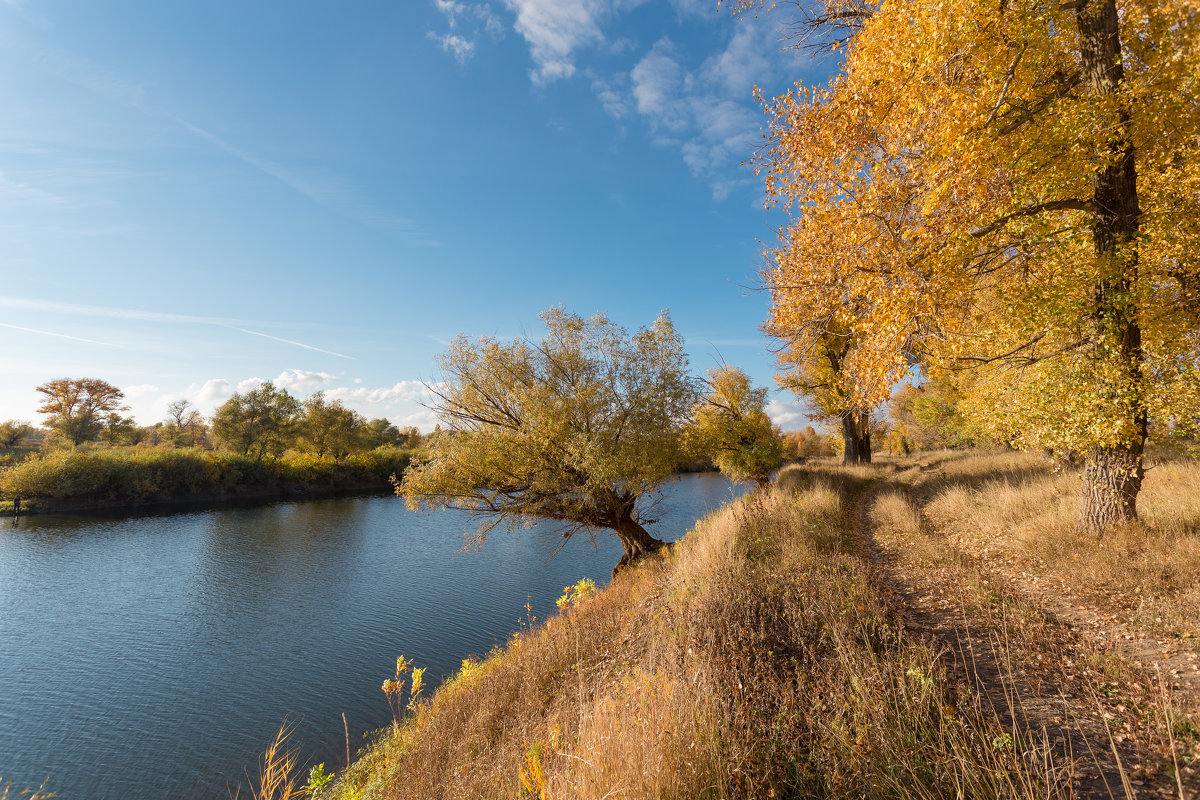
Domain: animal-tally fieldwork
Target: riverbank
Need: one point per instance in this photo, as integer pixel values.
(120, 478)
(772, 653)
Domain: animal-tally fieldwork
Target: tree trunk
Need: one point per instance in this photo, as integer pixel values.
(856, 436)
(635, 540)
(1112, 478)
(1113, 473)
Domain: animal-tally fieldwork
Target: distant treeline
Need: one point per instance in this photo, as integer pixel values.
(117, 477)
(260, 443)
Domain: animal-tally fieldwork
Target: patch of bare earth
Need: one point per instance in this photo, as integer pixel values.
(1049, 665)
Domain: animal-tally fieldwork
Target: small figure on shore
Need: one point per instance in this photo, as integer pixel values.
(16, 506)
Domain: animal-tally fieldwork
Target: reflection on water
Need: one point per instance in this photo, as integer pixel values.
(155, 656)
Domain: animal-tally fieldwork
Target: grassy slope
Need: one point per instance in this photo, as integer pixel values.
(759, 658)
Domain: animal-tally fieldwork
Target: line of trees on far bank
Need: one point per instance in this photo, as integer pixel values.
(260, 443)
(265, 421)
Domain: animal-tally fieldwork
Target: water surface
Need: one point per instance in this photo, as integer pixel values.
(154, 656)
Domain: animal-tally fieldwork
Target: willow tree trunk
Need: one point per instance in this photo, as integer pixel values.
(1113, 472)
(856, 437)
(636, 542)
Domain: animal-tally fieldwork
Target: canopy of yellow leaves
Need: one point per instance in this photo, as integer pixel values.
(940, 190)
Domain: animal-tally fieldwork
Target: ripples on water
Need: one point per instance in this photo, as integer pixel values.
(155, 656)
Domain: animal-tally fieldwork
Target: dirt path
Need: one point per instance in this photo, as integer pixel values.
(1176, 660)
(1040, 676)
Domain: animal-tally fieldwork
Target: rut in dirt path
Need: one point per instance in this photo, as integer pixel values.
(1019, 660)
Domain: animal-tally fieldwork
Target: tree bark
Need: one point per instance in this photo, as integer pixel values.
(635, 540)
(1113, 473)
(856, 437)
(1112, 478)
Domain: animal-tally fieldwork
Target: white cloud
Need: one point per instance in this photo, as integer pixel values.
(248, 384)
(744, 60)
(790, 414)
(450, 8)
(302, 381)
(401, 391)
(401, 402)
(297, 344)
(466, 21)
(424, 420)
(454, 44)
(708, 113)
(139, 391)
(330, 191)
(212, 393)
(659, 88)
(25, 194)
(612, 95)
(554, 30)
(698, 8)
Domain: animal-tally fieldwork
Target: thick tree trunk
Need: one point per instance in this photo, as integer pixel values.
(856, 436)
(1112, 478)
(1113, 473)
(636, 542)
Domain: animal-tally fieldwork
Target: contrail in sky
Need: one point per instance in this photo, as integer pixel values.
(142, 316)
(59, 335)
(112, 313)
(298, 344)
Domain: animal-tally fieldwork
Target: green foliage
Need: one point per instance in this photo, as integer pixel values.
(119, 430)
(330, 428)
(260, 422)
(927, 417)
(124, 476)
(380, 432)
(731, 424)
(13, 432)
(318, 780)
(185, 426)
(575, 594)
(578, 428)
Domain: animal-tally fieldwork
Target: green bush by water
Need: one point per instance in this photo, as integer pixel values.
(120, 476)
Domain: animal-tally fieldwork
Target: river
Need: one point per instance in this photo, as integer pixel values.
(155, 655)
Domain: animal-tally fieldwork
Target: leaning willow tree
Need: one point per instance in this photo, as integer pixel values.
(581, 429)
(1012, 192)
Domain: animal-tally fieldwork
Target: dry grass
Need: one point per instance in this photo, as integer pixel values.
(279, 771)
(1012, 506)
(755, 659)
(7, 793)
(976, 565)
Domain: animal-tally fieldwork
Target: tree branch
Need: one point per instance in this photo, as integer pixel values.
(1069, 204)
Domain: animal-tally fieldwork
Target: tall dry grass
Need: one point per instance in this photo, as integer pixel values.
(755, 659)
(279, 771)
(7, 792)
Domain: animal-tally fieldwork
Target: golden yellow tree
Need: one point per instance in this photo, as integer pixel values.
(1013, 189)
(813, 363)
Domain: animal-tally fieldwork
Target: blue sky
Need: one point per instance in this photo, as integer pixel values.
(197, 196)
